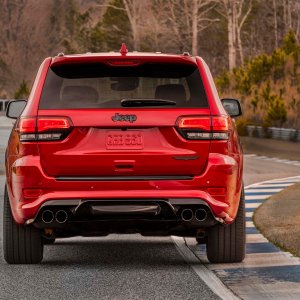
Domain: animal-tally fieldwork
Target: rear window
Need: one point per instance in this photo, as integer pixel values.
(97, 85)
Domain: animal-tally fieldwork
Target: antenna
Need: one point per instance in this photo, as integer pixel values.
(123, 49)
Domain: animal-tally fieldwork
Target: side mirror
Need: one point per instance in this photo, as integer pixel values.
(15, 108)
(232, 106)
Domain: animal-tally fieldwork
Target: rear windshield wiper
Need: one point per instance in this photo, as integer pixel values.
(146, 102)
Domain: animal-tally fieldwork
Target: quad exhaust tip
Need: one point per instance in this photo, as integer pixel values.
(200, 214)
(47, 216)
(61, 216)
(187, 215)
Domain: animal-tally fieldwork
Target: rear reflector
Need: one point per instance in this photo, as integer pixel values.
(216, 190)
(43, 128)
(31, 193)
(204, 127)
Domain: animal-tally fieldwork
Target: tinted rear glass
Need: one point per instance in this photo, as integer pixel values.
(100, 86)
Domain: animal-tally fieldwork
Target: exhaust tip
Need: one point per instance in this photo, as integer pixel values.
(61, 216)
(47, 216)
(187, 215)
(200, 214)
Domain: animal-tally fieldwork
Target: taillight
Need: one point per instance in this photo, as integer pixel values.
(204, 127)
(44, 124)
(43, 128)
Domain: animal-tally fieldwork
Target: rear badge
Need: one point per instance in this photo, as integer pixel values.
(124, 118)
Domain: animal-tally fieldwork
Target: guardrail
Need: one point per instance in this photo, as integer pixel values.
(287, 134)
(3, 104)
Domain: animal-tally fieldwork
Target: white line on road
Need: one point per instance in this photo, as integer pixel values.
(250, 224)
(256, 197)
(210, 279)
(266, 190)
(252, 205)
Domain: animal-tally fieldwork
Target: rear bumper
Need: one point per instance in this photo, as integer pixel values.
(146, 216)
(222, 171)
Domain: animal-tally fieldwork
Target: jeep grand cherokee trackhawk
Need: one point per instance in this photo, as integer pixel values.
(123, 142)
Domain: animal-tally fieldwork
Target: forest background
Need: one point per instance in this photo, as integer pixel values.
(251, 46)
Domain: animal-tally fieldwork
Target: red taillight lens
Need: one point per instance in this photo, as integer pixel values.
(27, 125)
(204, 127)
(45, 124)
(219, 123)
(44, 128)
(201, 123)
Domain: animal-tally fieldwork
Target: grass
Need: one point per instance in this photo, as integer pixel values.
(279, 219)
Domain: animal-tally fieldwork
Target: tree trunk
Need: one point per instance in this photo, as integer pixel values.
(231, 35)
(275, 24)
(131, 10)
(240, 46)
(136, 38)
(195, 28)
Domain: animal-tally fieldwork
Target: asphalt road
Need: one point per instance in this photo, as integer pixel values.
(115, 267)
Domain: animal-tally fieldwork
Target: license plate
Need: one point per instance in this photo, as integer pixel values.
(124, 140)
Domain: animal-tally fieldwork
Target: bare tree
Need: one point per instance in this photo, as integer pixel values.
(275, 23)
(186, 19)
(240, 21)
(291, 15)
(134, 10)
(235, 14)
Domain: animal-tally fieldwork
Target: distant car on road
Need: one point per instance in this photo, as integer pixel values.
(123, 143)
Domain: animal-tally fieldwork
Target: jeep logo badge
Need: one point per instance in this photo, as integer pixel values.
(124, 118)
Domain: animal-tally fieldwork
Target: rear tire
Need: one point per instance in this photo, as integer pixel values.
(21, 244)
(226, 244)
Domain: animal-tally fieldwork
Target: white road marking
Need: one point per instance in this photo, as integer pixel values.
(250, 224)
(252, 205)
(273, 185)
(256, 238)
(258, 260)
(266, 190)
(210, 279)
(256, 197)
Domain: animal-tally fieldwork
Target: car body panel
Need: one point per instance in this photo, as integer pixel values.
(163, 150)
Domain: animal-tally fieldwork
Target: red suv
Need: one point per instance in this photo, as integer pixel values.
(123, 142)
